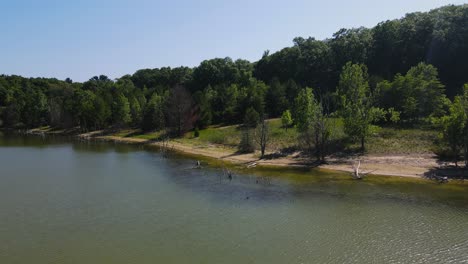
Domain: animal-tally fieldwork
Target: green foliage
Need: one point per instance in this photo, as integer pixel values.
(286, 119)
(135, 111)
(351, 45)
(35, 109)
(438, 37)
(102, 112)
(251, 118)
(455, 128)
(179, 110)
(312, 123)
(393, 115)
(153, 116)
(304, 109)
(205, 113)
(121, 110)
(84, 108)
(229, 99)
(417, 95)
(464, 101)
(221, 71)
(246, 144)
(252, 96)
(357, 102)
(276, 100)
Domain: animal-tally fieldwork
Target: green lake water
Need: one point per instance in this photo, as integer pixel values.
(79, 202)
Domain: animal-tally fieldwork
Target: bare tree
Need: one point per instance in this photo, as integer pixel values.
(262, 136)
(357, 173)
(322, 131)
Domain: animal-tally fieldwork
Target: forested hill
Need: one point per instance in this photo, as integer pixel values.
(412, 63)
(439, 37)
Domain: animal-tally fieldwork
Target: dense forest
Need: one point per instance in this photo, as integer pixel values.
(406, 72)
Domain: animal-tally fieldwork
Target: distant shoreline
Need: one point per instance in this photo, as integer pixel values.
(407, 166)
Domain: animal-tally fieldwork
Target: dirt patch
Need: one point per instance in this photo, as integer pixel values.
(395, 165)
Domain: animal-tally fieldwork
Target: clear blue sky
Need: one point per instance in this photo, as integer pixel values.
(80, 39)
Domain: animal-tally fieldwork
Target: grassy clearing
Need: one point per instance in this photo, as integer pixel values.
(228, 136)
(385, 141)
(401, 141)
(138, 134)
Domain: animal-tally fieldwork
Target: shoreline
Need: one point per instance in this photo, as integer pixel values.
(410, 166)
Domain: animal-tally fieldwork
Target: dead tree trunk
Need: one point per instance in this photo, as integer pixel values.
(356, 174)
(262, 136)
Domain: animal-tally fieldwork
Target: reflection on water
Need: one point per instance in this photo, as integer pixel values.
(83, 202)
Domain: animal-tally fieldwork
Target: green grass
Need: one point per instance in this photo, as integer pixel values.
(401, 141)
(138, 134)
(230, 136)
(385, 141)
(227, 136)
(280, 137)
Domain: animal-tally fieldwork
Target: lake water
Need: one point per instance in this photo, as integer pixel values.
(72, 202)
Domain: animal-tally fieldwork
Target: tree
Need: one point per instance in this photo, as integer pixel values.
(229, 103)
(135, 111)
(262, 136)
(429, 91)
(246, 144)
(357, 102)
(458, 119)
(251, 118)
(153, 114)
(312, 124)
(322, 132)
(84, 108)
(203, 100)
(454, 128)
(286, 119)
(308, 62)
(180, 110)
(351, 45)
(220, 71)
(252, 96)
(464, 101)
(121, 114)
(276, 100)
(102, 113)
(13, 105)
(417, 95)
(35, 110)
(291, 89)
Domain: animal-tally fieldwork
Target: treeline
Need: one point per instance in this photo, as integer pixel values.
(438, 37)
(408, 71)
